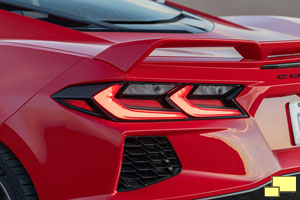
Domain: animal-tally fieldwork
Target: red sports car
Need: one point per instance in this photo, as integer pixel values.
(140, 99)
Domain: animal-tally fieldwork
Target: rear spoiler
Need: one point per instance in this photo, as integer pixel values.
(129, 54)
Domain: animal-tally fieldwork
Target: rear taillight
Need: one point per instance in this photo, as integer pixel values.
(106, 99)
(153, 101)
(180, 98)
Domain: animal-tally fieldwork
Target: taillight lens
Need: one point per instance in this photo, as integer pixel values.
(107, 100)
(212, 90)
(147, 89)
(180, 98)
(78, 103)
(153, 101)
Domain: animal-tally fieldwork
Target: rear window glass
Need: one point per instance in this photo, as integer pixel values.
(104, 10)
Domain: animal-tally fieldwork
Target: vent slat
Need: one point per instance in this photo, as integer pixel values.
(146, 161)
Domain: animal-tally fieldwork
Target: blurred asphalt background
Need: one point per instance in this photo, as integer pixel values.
(246, 7)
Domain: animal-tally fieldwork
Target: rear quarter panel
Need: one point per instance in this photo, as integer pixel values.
(26, 70)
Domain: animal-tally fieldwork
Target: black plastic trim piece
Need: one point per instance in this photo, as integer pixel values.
(282, 66)
(146, 161)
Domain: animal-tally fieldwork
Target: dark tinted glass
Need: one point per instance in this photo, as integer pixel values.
(106, 10)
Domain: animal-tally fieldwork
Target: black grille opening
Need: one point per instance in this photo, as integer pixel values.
(147, 160)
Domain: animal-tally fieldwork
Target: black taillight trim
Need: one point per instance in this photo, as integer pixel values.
(86, 92)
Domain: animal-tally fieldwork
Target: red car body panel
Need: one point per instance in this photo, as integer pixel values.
(73, 155)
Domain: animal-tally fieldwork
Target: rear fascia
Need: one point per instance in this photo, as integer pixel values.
(100, 138)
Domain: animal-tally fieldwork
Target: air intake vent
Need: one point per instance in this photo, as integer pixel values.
(147, 160)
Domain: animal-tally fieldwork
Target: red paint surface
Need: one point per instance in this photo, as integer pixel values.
(70, 155)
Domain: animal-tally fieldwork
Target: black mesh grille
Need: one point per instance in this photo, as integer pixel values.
(147, 160)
